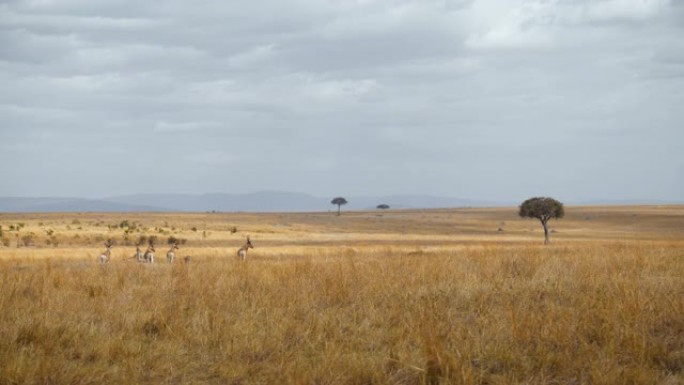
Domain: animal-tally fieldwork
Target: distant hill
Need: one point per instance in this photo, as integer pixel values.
(35, 205)
(263, 201)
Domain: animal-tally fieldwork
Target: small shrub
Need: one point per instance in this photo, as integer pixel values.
(141, 240)
(52, 241)
(153, 327)
(152, 239)
(179, 241)
(27, 240)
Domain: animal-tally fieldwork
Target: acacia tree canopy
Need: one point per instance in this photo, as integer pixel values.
(339, 201)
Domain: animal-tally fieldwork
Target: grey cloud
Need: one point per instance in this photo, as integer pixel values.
(374, 97)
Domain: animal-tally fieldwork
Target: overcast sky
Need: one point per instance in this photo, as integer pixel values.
(481, 99)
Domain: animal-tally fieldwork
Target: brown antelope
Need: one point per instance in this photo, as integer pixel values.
(242, 252)
(104, 257)
(149, 253)
(171, 255)
(139, 256)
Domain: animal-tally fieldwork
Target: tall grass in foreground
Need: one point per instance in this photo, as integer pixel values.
(586, 314)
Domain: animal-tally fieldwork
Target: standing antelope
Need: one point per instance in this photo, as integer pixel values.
(139, 256)
(242, 252)
(104, 257)
(149, 253)
(170, 255)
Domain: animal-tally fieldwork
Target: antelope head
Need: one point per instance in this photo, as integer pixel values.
(249, 244)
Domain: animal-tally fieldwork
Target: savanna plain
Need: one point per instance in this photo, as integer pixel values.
(454, 296)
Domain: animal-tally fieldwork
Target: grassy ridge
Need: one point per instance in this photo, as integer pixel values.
(580, 314)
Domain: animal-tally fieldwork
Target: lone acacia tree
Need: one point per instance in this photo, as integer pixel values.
(382, 207)
(339, 201)
(543, 209)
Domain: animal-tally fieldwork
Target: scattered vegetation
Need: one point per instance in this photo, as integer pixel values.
(17, 227)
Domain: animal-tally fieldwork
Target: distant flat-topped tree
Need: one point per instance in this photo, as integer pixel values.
(339, 201)
(543, 209)
(382, 207)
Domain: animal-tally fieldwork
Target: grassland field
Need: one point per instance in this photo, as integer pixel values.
(452, 296)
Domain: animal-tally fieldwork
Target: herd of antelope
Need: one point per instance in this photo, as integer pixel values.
(148, 255)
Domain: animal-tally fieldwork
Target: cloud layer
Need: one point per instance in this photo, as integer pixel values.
(487, 99)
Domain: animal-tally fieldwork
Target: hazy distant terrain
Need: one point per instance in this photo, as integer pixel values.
(264, 201)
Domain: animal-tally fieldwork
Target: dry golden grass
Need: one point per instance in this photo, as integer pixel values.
(408, 297)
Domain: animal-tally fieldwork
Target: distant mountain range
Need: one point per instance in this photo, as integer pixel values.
(263, 201)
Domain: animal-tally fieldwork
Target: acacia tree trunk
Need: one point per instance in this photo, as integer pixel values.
(546, 232)
(338, 209)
